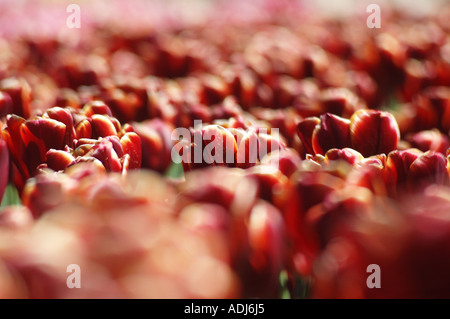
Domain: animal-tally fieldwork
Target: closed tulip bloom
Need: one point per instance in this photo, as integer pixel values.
(373, 132)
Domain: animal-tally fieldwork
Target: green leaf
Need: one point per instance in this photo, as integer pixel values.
(296, 287)
(175, 170)
(11, 196)
(283, 288)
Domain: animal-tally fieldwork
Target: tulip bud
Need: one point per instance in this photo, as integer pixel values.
(64, 116)
(305, 129)
(131, 145)
(398, 164)
(20, 92)
(102, 126)
(429, 167)
(46, 132)
(42, 193)
(287, 161)
(374, 132)
(155, 136)
(332, 132)
(266, 240)
(268, 143)
(370, 173)
(4, 167)
(68, 98)
(339, 101)
(58, 160)
(12, 135)
(83, 129)
(219, 146)
(431, 140)
(247, 151)
(6, 104)
(215, 89)
(272, 184)
(96, 107)
(222, 186)
(309, 189)
(337, 211)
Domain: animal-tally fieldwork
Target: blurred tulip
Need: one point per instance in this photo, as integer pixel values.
(16, 218)
(254, 228)
(305, 129)
(428, 168)
(155, 137)
(19, 91)
(6, 104)
(407, 241)
(340, 101)
(398, 164)
(4, 167)
(431, 140)
(286, 160)
(309, 190)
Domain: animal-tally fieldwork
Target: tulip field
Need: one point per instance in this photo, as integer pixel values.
(198, 149)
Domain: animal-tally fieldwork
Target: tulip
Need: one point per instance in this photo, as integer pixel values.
(64, 116)
(266, 241)
(156, 142)
(340, 101)
(338, 210)
(371, 173)
(102, 126)
(431, 140)
(400, 239)
(287, 161)
(20, 93)
(332, 132)
(247, 149)
(309, 190)
(305, 129)
(398, 165)
(428, 168)
(59, 160)
(254, 228)
(4, 167)
(373, 132)
(272, 184)
(430, 107)
(219, 145)
(6, 104)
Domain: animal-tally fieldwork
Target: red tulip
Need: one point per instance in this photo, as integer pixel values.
(20, 93)
(407, 241)
(332, 132)
(431, 140)
(4, 167)
(373, 132)
(156, 142)
(305, 129)
(6, 104)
